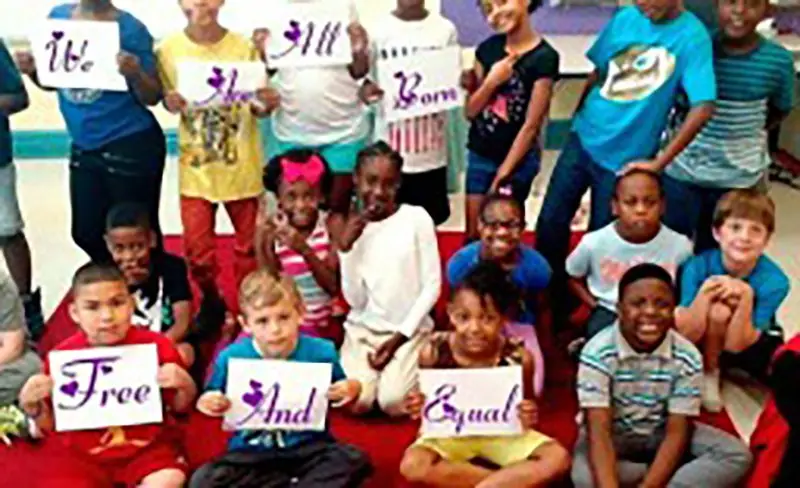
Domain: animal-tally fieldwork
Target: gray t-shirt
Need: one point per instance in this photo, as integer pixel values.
(12, 316)
(602, 257)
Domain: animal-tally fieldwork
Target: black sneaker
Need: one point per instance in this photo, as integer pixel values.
(34, 317)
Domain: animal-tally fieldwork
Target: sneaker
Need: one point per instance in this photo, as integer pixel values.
(14, 423)
(34, 318)
(712, 398)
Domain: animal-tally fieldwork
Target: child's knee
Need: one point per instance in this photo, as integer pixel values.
(186, 351)
(392, 401)
(560, 459)
(417, 463)
(719, 314)
(165, 478)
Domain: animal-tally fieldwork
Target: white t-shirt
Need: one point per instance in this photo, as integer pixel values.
(602, 257)
(392, 276)
(420, 140)
(319, 106)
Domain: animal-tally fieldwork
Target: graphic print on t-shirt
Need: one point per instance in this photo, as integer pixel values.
(636, 72)
(214, 133)
(82, 96)
(508, 106)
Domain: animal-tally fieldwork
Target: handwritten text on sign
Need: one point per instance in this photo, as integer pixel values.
(204, 83)
(78, 54)
(425, 83)
(277, 395)
(105, 387)
(471, 402)
(310, 34)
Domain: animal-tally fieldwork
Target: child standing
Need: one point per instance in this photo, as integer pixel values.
(755, 85)
(644, 57)
(220, 149)
(639, 387)
(158, 281)
(391, 277)
(422, 142)
(637, 236)
(272, 310)
(730, 296)
(478, 311)
(140, 455)
(297, 241)
(514, 74)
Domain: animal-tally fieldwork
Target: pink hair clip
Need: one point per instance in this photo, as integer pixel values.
(310, 171)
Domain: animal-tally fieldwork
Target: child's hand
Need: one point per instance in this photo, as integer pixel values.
(528, 414)
(414, 403)
(651, 166)
(501, 71)
(174, 102)
(385, 352)
(358, 38)
(128, 65)
(260, 37)
(469, 80)
(172, 376)
(343, 393)
(25, 62)
(288, 235)
(39, 387)
(268, 100)
(213, 404)
(370, 93)
(353, 228)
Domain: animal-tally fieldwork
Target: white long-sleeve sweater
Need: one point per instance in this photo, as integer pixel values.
(392, 276)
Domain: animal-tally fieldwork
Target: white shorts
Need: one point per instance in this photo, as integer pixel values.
(10, 217)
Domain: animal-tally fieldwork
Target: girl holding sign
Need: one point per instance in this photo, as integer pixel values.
(513, 83)
(477, 311)
(118, 147)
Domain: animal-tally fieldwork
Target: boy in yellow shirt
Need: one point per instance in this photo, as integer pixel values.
(220, 149)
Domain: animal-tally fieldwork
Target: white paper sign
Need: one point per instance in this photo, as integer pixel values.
(427, 82)
(204, 83)
(471, 402)
(309, 34)
(277, 395)
(78, 54)
(105, 387)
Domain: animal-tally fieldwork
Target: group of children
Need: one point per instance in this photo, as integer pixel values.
(317, 254)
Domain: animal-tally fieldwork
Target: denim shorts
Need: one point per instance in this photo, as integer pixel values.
(481, 172)
(10, 216)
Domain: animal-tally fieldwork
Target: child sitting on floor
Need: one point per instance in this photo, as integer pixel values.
(297, 241)
(139, 455)
(730, 296)
(391, 277)
(639, 387)
(272, 311)
(637, 236)
(477, 311)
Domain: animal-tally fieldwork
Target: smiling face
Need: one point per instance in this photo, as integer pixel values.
(202, 12)
(505, 16)
(738, 19)
(477, 322)
(646, 313)
(639, 205)
(742, 241)
(500, 228)
(103, 311)
(300, 202)
(275, 328)
(130, 247)
(377, 181)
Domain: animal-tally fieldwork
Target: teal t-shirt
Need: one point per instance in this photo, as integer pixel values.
(642, 66)
(10, 84)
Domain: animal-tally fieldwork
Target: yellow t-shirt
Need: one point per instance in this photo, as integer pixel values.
(220, 147)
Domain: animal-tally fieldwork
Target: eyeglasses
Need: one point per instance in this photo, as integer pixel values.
(511, 225)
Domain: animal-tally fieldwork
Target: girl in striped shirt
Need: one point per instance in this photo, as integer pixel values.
(296, 240)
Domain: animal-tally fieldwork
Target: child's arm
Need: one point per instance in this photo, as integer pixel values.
(13, 96)
(602, 456)
(578, 287)
(27, 66)
(139, 68)
(325, 271)
(669, 454)
(360, 41)
(174, 377)
(34, 399)
(430, 273)
(12, 345)
(578, 266)
(264, 239)
(499, 74)
(182, 314)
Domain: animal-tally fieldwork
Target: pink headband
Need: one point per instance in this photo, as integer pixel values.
(310, 171)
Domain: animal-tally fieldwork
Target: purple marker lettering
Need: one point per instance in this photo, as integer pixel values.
(334, 35)
(510, 402)
(141, 394)
(405, 94)
(309, 37)
(53, 47)
(440, 400)
(68, 370)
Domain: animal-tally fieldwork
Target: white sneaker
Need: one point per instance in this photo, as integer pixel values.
(712, 398)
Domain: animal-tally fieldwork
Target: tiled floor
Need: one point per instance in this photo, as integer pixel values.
(44, 196)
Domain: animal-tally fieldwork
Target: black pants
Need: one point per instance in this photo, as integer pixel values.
(126, 170)
(784, 379)
(319, 464)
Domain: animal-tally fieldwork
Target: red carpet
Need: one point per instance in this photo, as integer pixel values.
(384, 440)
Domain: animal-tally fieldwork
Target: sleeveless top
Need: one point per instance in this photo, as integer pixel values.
(439, 344)
(317, 301)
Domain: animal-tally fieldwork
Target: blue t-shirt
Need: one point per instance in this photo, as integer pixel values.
(10, 84)
(308, 350)
(769, 283)
(642, 67)
(96, 117)
(531, 274)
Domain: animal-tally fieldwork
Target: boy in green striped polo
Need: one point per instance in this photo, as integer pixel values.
(755, 91)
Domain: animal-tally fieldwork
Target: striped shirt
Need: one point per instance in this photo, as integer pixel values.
(641, 389)
(316, 300)
(731, 150)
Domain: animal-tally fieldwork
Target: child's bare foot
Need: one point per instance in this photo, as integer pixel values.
(712, 398)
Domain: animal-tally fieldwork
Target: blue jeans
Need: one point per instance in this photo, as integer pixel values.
(574, 173)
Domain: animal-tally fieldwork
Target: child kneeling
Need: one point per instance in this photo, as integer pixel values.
(638, 388)
(272, 311)
(478, 312)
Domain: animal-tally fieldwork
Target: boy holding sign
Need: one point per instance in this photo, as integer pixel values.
(137, 455)
(639, 387)
(272, 311)
(477, 312)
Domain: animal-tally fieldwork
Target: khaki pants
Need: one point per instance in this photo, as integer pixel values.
(390, 386)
